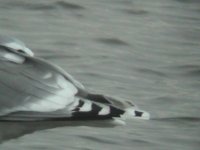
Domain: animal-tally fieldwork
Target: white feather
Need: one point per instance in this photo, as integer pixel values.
(64, 96)
(104, 111)
(47, 75)
(130, 113)
(87, 106)
(14, 58)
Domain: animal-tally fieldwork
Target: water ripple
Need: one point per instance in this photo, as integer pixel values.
(140, 141)
(42, 6)
(188, 70)
(60, 56)
(135, 11)
(151, 72)
(98, 140)
(188, 1)
(112, 41)
(180, 119)
(68, 5)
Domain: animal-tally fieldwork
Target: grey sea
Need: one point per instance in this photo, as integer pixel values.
(146, 51)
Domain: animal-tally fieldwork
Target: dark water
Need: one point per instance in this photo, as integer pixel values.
(145, 51)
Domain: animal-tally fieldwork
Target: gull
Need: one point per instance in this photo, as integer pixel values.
(33, 89)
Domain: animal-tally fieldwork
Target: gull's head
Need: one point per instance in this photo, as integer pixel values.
(15, 45)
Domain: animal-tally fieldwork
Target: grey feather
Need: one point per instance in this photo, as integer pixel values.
(23, 85)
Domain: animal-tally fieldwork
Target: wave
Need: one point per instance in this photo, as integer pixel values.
(41, 6)
(187, 70)
(179, 119)
(112, 41)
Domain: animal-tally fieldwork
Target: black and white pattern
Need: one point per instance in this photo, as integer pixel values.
(34, 89)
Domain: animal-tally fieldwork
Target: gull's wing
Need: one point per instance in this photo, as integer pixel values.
(34, 85)
(81, 89)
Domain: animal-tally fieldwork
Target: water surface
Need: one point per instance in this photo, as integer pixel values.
(144, 51)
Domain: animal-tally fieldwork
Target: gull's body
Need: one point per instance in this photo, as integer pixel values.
(34, 89)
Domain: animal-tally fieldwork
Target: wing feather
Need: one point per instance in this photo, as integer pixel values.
(34, 85)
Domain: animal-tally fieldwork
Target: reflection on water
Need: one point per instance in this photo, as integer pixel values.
(11, 130)
(144, 51)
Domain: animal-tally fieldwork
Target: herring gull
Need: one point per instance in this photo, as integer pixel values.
(33, 89)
